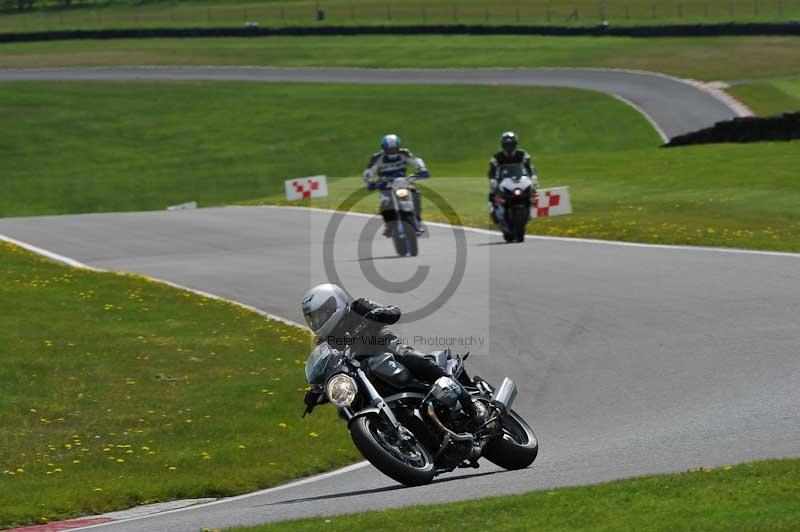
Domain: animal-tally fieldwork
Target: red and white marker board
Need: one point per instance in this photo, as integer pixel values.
(552, 202)
(306, 187)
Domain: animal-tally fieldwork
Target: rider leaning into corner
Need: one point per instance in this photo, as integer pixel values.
(387, 165)
(333, 319)
(508, 154)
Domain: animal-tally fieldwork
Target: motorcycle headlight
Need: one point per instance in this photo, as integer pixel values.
(401, 192)
(517, 192)
(341, 389)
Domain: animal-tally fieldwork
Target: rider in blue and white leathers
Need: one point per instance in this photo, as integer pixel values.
(387, 165)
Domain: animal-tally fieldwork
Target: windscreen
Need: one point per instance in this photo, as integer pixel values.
(317, 360)
(513, 171)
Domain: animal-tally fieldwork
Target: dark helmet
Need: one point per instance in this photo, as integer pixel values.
(508, 141)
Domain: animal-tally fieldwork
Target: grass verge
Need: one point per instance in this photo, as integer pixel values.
(120, 391)
(770, 97)
(754, 496)
(726, 58)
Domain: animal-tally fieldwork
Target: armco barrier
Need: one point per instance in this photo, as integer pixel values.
(455, 29)
(746, 129)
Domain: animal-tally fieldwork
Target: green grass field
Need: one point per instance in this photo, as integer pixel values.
(759, 496)
(770, 97)
(119, 391)
(50, 16)
(89, 147)
(84, 147)
(726, 58)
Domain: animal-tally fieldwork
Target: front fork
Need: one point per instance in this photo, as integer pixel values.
(500, 217)
(376, 400)
(399, 213)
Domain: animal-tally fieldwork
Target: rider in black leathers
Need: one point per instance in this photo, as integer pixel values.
(509, 154)
(376, 338)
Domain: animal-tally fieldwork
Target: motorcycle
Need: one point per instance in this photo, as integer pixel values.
(512, 201)
(400, 206)
(411, 431)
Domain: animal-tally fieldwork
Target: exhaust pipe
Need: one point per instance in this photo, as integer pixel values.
(505, 394)
(453, 435)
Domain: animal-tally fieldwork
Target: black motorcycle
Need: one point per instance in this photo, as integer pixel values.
(412, 432)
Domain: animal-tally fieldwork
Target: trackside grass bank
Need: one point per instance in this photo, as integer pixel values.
(119, 391)
(726, 58)
(754, 496)
(90, 147)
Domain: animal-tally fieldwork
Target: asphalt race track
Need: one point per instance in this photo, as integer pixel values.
(673, 106)
(629, 359)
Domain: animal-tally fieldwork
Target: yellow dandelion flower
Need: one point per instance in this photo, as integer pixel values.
(120, 460)
(98, 489)
(242, 446)
(313, 434)
(282, 425)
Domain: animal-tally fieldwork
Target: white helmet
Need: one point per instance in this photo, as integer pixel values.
(324, 306)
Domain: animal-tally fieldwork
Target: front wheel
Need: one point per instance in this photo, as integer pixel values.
(519, 219)
(516, 446)
(412, 246)
(405, 461)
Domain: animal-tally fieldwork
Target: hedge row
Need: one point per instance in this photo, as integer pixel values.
(455, 29)
(748, 129)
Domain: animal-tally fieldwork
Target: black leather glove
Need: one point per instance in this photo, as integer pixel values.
(311, 398)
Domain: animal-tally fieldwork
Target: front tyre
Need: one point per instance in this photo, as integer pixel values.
(406, 462)
(519, 219)
(411, 234)
(516, 447)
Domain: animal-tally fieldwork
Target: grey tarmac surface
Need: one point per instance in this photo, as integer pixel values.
(629, 360)
(676, 107)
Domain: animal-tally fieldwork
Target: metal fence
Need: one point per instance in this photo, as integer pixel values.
(110, 15)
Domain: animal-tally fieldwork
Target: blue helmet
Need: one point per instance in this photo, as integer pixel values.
(390, 143)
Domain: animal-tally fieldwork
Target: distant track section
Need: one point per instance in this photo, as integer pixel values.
(674, 106)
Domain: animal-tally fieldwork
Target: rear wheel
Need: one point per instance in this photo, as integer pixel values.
(516, 446)
(404, 460)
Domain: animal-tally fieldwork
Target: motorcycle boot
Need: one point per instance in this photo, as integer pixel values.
(475, 411)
